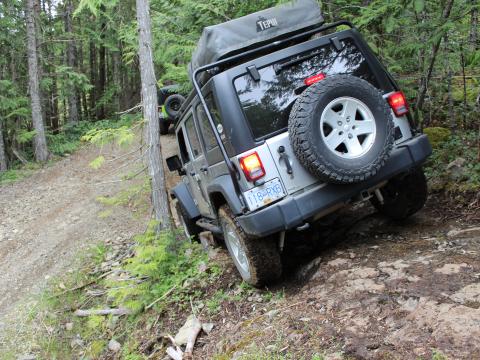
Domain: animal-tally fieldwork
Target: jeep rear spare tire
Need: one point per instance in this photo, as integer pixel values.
(341, 129)
(173, 104)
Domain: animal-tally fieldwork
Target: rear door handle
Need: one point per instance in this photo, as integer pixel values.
(284, 156)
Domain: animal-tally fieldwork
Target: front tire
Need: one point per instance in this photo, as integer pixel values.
(190, 228)
(257, 260)
(403, 196)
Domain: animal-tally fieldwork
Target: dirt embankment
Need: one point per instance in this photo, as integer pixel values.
(46, 219)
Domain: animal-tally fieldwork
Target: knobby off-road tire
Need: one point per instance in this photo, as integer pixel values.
(308, 129)
(191, 229)
(403, 196)
(261, 263)
(173, 104)
(164, 126)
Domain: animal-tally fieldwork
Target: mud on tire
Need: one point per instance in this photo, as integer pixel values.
(264, 261)
(308, 136)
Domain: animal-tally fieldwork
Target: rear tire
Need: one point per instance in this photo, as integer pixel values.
(190, 228)
(403, 196)
(257, 260)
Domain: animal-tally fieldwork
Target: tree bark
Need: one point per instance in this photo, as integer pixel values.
(73, 116)
(101, 66)
(93, 77)
(424, 86)
(150, 113)
(116, 62)
(52, 101)
(83, 94)
(3, 157)
(464, 80)
(40, 142)
(474, 26)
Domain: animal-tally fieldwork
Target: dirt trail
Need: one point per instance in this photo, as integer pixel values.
(364, 287)
(47, 218)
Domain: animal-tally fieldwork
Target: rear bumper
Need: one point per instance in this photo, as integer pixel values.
(293, 211)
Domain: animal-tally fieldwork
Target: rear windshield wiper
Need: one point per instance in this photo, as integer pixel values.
(279, 67)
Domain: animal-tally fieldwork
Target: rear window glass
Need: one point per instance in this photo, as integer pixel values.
(267, 103)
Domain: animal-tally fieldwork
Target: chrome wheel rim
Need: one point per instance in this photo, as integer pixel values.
(348, 128)
(236, 249)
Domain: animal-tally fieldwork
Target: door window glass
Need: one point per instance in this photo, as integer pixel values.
(205, 128)
(183, 148)
(193, 137)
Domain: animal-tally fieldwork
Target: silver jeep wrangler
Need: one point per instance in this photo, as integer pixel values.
(290, 119)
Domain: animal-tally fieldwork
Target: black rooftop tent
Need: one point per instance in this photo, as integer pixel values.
(226, 39)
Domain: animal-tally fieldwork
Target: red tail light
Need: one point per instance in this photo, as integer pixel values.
(398, 103)
(314, 79)
(252, 167)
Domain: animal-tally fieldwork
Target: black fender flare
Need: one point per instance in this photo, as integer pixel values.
(183, 195)
(223, 185)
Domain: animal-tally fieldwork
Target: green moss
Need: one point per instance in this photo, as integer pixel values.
(461, 145)
(437, 135)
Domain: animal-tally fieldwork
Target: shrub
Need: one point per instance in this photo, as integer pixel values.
(437, 135)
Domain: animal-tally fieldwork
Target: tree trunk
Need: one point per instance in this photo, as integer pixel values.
(150, 113)
(71, 88)
(3, 157)
(38, 40)
(464, 80)
(83, 109)
(54, 106)
(40, 142)
(424, 87)
(448, 68)
(93, 78)
(52, 101)
(101, 66)
(474, 26)
(116, 62)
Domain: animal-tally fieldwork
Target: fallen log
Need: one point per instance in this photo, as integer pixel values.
(192, 337)
(102, 312)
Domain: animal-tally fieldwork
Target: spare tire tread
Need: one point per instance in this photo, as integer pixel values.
(299, 130)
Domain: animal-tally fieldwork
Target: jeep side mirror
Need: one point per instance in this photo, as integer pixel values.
(174, 164)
